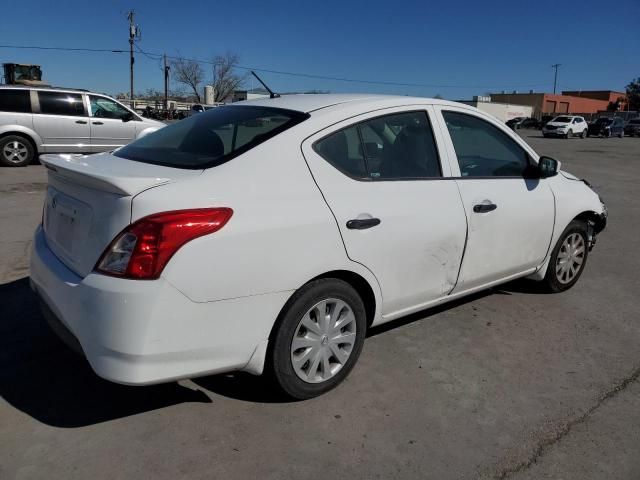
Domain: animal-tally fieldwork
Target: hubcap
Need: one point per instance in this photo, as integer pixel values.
(15, 152)
(323, 341)
(570, 258)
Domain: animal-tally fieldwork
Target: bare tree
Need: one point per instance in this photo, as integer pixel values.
(225, 79)
(188, 73)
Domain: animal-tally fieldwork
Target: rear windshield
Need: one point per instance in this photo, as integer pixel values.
(211, 138)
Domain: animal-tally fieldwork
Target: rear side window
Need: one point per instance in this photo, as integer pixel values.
(398, 146)
(18, 101)
(211, 138)
(60, 103)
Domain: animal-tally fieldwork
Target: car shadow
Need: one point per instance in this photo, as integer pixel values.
(43, 378)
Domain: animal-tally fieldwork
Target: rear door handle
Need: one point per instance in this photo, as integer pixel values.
(484, 207)
(362, 223)
(97, 123)
(81, 122)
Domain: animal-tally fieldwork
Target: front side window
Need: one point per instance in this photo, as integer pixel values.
(484, 150)
(397, 146)
(18, 101)
(60, 103)
(106, 108)
(211, 138)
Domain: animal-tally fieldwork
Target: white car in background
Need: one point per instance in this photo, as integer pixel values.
(269, 235)
(566, 126)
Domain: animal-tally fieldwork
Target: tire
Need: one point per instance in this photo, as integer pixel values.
(315, 347)
(621, 134)
(569, 134)
(558, 279)
(584, 133)
(15, 151)
(545, 135)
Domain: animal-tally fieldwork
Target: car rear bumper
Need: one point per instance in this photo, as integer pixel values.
(143, 332)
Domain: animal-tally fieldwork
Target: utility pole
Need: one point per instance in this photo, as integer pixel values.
(134, 32)
(555, 77)
(166, 82)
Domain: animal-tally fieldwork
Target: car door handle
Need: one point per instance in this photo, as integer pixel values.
(484, 207)
(97, 123)
(362, 223)
(81, 122)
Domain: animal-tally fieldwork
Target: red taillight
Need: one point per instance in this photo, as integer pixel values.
(142, 250)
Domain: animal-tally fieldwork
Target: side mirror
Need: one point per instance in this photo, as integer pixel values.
(127, 117)
(548, 167)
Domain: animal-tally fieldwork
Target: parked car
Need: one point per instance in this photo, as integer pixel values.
(36, 120)
(544, 120)
(522, 122)
(274, 243)
(607, 127)
(632, 127)
(566, 126)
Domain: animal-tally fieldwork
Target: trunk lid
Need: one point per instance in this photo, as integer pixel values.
(89, 200)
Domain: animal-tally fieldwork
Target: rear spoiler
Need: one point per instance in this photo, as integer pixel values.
(75, 169)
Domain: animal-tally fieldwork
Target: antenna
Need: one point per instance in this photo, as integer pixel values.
(271, 93)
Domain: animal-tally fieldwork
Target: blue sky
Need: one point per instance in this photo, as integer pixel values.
(457, 48)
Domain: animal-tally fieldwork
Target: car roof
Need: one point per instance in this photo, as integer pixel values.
(44, 87)
(308, 103)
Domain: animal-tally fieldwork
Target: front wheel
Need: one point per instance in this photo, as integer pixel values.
(568, 258)
(621, 134)
(569, 134)
(318, 339)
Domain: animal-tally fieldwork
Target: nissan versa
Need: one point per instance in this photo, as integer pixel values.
(268, 236)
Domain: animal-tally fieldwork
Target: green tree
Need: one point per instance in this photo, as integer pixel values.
(633, 94)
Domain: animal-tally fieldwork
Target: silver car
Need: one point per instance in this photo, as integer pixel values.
(36, 120)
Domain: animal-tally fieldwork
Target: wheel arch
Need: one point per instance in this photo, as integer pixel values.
(357, 281)
(32, 137)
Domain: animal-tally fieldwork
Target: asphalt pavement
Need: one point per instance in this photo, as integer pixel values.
(509, 383)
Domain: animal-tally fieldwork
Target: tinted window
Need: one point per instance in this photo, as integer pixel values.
(59, 103)
(562, 119)
(482, 149)
(15, 101)
(211, 138)
(389, 147)
(105, 108)
(343, 150)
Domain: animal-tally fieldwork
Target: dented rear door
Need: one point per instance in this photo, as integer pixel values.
(416, 248)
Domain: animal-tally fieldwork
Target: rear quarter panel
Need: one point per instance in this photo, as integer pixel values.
(281, 234)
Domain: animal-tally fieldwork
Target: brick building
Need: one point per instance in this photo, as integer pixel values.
(586, 102)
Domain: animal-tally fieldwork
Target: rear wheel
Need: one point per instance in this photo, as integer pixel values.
(319, 338)
(568, 258)
(584, 133)
(15, 151)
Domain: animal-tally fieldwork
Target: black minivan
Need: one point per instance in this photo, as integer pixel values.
(607, 127)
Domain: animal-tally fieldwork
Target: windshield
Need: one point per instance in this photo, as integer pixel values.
(562, 119)
(634, 122)
(211, 138)
(603, 121)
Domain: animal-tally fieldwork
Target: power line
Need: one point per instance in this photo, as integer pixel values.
(283, 72)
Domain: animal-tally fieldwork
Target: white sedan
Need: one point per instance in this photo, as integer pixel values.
(268, 236)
